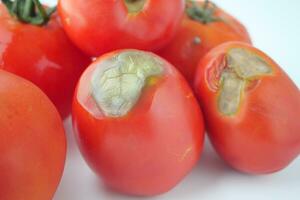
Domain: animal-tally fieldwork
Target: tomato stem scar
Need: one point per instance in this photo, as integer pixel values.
(135, 6)
(117, 83)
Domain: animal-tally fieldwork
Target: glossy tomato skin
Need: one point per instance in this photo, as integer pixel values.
(44, 55)
(194, 39)
(264, 136)
(32, 144)
(100, 26)
(148, 151)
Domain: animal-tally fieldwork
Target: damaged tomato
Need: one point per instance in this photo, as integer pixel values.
(137, 122)
(251, 108)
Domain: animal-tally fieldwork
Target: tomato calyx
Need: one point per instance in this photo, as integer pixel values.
(135, 6)
(29, 11)
(243, 68)
(117, 82)
(204, 14)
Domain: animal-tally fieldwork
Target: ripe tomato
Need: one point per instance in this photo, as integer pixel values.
(137, 122)
(32, 141)
(251, 108)
(100, 26)
(42, 54)
(203, 27)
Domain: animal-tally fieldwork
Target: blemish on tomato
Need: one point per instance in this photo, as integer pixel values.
(186, 153)
(243, 71)
(197, 40)
(214, 72)
(117, 83)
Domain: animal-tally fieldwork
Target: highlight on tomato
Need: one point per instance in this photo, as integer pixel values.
(251, 108)
(34, 46)
(137, 122)
(101, 26)
(203, 27)
(32, 141)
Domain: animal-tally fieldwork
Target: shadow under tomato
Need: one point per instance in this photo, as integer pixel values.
(75, 182)
(79, 181)
(71, 143)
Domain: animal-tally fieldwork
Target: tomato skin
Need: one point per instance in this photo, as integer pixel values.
(263, 137)
(151, 149)
(185, 54)
(88, 26)
(44, 55)
(32, 144)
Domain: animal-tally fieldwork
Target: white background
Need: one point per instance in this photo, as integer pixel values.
(275, 29)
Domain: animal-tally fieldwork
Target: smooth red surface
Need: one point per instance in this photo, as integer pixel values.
(184, 54)
(100, 26)
(44, 55)
(264, 136)
(32, 141)
(151, 149)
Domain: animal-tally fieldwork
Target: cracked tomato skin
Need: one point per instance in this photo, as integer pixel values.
(101, 26)
(185, 51)
(32, 141)
(264, 136)
(44, 55)
(149, 150)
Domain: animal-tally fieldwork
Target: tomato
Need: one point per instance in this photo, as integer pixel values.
(32, 141)
(137, 122)
(100, 26)
(42, 54)
(203, 27)
(251, 108)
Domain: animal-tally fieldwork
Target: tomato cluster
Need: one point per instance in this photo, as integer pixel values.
(136, 115)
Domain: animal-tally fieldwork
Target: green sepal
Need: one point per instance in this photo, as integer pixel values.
(29, 11)
(202, 13)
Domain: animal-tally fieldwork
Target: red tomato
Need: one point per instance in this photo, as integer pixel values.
(251, 108)
(32, 141)
(42, 54)
(199, 32)
(100, 26)
(137, 122)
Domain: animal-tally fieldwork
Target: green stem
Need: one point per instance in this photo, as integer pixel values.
(203, 13)
(29, 11)
(28, 7)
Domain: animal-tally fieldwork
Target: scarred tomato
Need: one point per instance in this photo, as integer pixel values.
(251, 108)
(137, 122)
(100, 26)
(203, 27)
(32, 141)
(42, 54)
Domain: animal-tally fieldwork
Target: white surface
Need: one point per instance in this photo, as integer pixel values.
(275, 29)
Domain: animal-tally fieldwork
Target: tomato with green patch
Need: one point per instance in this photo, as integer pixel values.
(251, 108)
(137, 122)
(203, 27)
